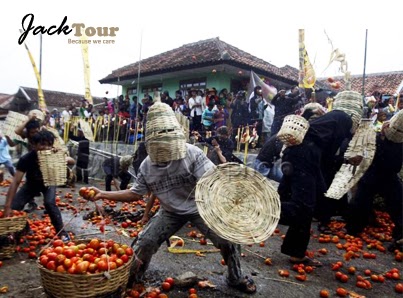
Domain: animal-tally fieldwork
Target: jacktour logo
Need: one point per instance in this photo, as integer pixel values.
(79, 30)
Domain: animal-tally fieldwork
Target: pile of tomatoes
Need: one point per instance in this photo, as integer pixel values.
(90, 258)
(14, 213)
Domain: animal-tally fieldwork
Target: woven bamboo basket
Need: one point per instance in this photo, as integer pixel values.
(238, 203)
(7, 251)
(12, 224)
(64, 285)
(395, 131)
(53, 167)
(293, 130)
(38, 114)
(7, 247)
(165, 138)
(13, 120)
(364, 144)
(87, 131)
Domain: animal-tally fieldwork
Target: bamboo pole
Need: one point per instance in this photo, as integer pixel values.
(107, 131)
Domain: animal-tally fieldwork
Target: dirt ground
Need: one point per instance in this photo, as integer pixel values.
(22, 277)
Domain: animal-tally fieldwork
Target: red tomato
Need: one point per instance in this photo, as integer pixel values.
(43, 260)
(192, 291)
(134, 294)
(57, 243)
(170, 280)
(102, 266)
(124, 258)
(324, 294)
(69, 253)
(399, 288)
(129, 251)
(166, 286)
(341, 292)
(51, 265)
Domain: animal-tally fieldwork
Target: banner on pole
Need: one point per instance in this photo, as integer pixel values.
(41, 99)
(307, 76)
(268, 91)
(84, 50)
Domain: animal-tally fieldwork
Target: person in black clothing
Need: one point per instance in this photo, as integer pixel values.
(83, 155)
(28, 165)
(253, 104)
(139, 156)
(239, 116)
(220, 146)
(268, 157)
(165, 98)
(284, 106)
(115, 167)
(302, 180)
(380, 178)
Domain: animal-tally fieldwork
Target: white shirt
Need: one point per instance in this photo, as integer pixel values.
(268, 116)
(197, 110)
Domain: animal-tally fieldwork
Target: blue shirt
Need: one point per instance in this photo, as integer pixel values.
(208, 114)
(4, 153)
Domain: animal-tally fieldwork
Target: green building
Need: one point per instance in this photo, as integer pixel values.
(203, 64)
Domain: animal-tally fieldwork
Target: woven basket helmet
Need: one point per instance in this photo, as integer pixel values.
(350, 102)
(38, 113)
(394, 132)
(165, 139)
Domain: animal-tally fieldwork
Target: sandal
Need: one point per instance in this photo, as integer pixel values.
(306, 261)
(246, 285)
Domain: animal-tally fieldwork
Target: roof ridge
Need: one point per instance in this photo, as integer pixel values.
(53, 91)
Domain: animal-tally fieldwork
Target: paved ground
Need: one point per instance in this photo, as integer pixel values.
(22, 277)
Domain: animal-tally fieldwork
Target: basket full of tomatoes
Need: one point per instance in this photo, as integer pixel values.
(14, 223)
(85, 268)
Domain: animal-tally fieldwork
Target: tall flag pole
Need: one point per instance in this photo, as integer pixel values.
(365, 65)
(84, 50)
(41, 99)
(136, 125)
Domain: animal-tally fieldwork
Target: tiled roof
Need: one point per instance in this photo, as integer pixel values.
(56, 98)
(385, 82)
(5, 99)
(202, 53)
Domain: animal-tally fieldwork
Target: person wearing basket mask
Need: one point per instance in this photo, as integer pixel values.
(350, 103)
(171, 172)
(382, 178)
(302, 177)
(28, 165)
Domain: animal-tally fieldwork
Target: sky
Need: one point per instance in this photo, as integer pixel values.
(146, 28)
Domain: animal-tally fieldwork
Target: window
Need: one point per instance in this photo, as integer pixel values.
(152, 88)
(199, 84)
(132, 91)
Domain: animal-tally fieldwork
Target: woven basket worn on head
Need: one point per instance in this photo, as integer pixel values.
(53, 167)
(350, 102)
(13, 120)
(394, 132)
(59, 143)
(64, 285)
(293, 130)
(12, 224)
(364, 144)
(238, 203)
(165, 139)
(38, 114)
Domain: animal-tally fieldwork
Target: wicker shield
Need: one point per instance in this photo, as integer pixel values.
(87, 131)
(238, 203)
(293, 130)
(364, 144)
(12, 121)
